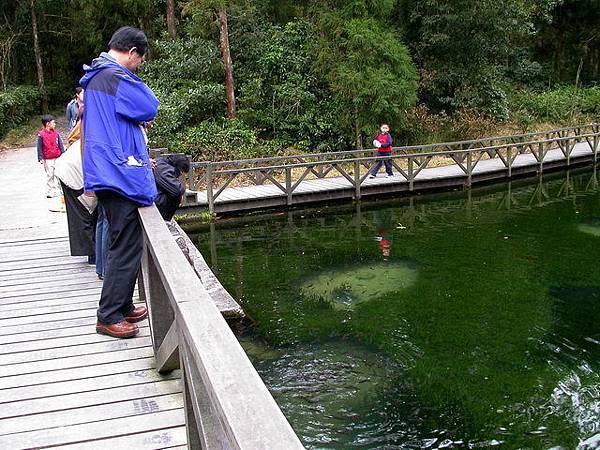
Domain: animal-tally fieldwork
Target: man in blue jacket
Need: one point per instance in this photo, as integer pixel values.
(116, 167)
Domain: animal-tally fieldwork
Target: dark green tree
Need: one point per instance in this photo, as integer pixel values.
(570, 43)
(464, 47)
(368, 68)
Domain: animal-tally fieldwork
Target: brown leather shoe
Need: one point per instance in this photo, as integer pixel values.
(122, 329)
(137, 314)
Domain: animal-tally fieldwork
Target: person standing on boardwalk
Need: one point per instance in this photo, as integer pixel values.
(383, 142)
(74, 108)
(116, 167)
(49, 148)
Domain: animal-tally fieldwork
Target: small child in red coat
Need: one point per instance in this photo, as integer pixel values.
(49, 148)
(383, 142)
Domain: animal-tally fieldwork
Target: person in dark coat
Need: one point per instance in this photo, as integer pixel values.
(168, 183)
(81, 208)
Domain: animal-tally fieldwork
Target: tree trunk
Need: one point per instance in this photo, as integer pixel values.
(224, 38)
(171, 24)
(6, 47)
(359, 143)
(38, 59)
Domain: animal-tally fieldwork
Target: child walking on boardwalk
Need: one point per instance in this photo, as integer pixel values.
(383, 143)
(49, 148)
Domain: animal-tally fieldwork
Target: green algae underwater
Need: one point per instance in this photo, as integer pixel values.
(460, 320)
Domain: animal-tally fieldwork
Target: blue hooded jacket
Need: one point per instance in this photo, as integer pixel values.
(115, 156)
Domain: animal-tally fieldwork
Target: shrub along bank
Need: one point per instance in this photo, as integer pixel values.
(17, 105)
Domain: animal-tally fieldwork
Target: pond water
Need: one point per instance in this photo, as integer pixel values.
(463, 320)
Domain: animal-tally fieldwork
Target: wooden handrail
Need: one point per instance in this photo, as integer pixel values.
(226, 403)
(399, 156)
(466, 155)
(594, 127)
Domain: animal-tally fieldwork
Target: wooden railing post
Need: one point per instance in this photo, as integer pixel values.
(410, 173)
(191, 424)
(190, 179)
(160, 312)
(209, 188)
(357, 180)
(288, 184)
(509, 160)
(469, 168)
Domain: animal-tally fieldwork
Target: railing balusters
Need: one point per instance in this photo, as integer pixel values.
(288, 184)
(264, 170)
(209, 188)
(357, 182)
(469, 168)
(411, 175)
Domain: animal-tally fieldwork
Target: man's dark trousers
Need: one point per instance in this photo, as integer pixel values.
(125, 244)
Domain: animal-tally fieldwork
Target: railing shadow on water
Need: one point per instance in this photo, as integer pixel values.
(227, 406)
(287, 172)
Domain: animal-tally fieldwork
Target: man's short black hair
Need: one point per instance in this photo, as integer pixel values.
(180, 162)
(126, 38)
(47, 119)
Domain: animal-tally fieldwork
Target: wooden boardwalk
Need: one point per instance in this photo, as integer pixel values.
(233, 199)
(61, 384)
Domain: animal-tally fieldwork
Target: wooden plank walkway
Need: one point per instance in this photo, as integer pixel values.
(61, 384)
(269, 195)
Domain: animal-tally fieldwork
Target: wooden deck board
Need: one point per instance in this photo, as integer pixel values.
(88, 398)
(62, 385)
(41, 276)
(76, 373)
(66, 362)
(91, 414)
(42, 282)
(54, 332)
(69, 297)
(62, 342)
(15, 357)
(121, 426)
(170, 438)
(53, 389)
(47, 303)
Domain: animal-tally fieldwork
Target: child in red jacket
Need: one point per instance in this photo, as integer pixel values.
(49, 148)
(383, 142)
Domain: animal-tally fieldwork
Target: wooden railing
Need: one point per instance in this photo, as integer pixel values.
(227, 405)
(286, 173)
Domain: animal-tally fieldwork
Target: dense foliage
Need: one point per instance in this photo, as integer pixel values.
(16, 105)
(321, 76)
